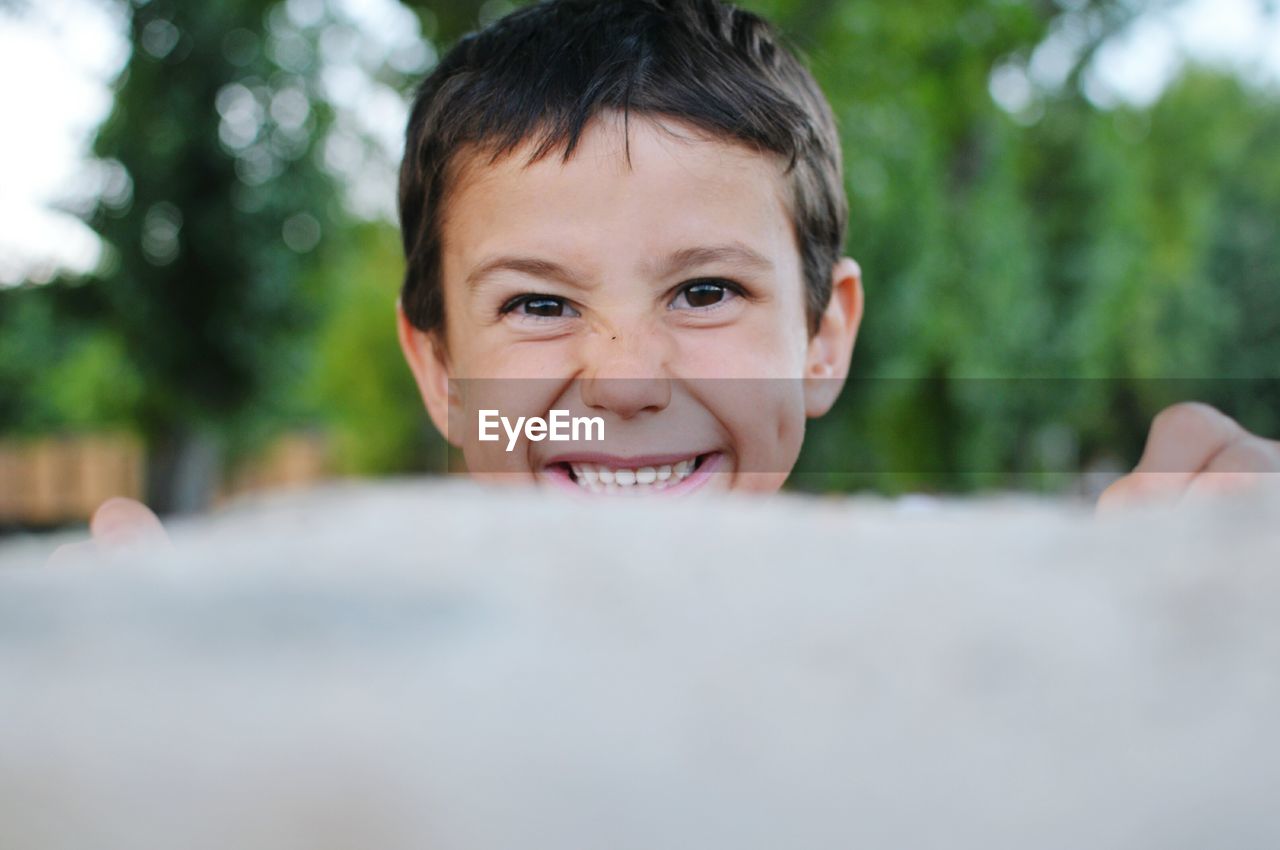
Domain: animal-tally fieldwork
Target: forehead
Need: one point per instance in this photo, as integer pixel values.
(629, 190)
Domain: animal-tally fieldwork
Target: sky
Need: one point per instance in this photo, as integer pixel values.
(70, 50)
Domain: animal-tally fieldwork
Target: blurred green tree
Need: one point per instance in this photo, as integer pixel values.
(223, 212)
(1036, 276)
(360, 387)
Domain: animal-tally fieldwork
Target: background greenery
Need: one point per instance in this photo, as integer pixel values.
(1035, 274)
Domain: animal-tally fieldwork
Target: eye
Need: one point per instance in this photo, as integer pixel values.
(539, 307)
(702, 294)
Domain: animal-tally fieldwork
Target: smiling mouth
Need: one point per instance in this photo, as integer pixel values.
(610, 479)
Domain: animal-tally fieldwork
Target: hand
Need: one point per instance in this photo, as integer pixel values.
(1194, 450)
(118, 525)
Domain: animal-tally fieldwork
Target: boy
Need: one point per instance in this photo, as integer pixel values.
(594, 226)
(633, 212)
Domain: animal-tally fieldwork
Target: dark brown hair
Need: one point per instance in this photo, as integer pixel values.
(542, 73)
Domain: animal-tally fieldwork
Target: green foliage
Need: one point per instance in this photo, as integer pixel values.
(1033, 281)
(361, 387)
(59, 374)
(216, 130)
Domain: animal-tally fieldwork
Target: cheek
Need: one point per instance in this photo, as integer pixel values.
(763, 347)
(764, 418)
(491, 353)
(516, 362)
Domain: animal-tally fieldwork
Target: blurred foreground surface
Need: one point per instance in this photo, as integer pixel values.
(416, 666)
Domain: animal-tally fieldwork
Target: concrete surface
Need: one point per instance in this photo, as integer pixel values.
(415, 666)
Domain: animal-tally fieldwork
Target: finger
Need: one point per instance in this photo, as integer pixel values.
(1246, 464)
(1247, 454)
(1184, 438)
(71, 553)
(121, 522)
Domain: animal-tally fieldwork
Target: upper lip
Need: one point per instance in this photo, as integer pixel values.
(619, 462)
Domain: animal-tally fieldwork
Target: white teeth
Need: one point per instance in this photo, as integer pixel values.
(602, 479)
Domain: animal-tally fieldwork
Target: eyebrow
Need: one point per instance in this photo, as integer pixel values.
(732, 253)
(531, 266)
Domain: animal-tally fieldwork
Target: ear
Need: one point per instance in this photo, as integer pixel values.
(428, 360)
(831, 348)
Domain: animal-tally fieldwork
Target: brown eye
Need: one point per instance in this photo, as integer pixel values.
(539, 307)
(702, 294)
(545, 307)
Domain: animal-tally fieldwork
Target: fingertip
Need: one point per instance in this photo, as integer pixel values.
(1138, 489)
(123, 520)
(69, 553)
(1185, 436)
(1114, 497)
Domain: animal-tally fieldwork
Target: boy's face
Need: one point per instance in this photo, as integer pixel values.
(642, 293)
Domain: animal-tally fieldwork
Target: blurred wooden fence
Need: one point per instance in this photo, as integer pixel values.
(292, 460)
(55, 480)
(61, 479)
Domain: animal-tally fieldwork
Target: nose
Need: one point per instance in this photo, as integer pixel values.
(626, 373)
